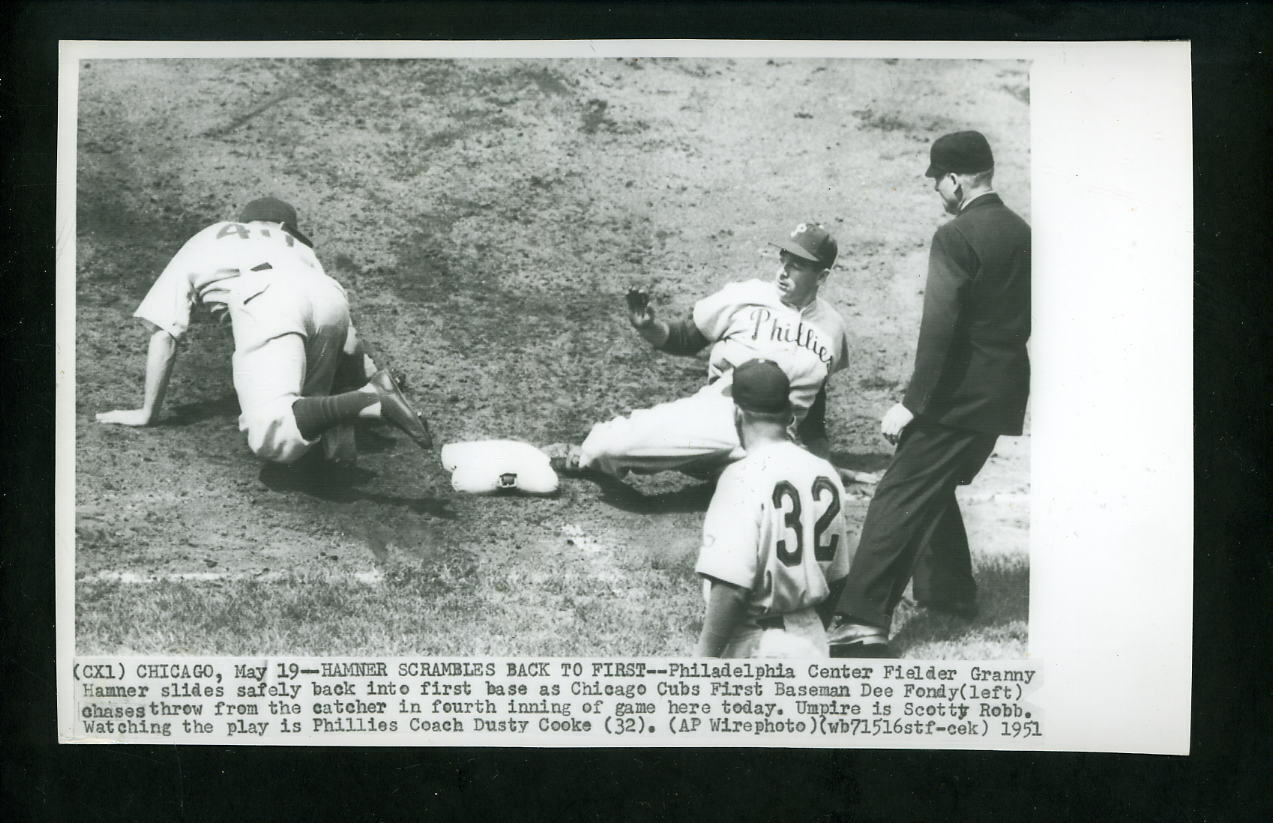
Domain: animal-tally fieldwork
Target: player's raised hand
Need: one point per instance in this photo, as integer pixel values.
(126, 417)
(640, 315)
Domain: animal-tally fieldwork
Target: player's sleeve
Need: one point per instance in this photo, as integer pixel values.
(838, 338)
(842, 350)
(730, 534)
(712, 314)
(168, 303)
(683, 337)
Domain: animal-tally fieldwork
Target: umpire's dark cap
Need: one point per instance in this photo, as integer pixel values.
(273, 210)
(761, 386)
(963, 152)
(810, 241)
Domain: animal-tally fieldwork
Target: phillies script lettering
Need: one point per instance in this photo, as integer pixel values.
(766, 326)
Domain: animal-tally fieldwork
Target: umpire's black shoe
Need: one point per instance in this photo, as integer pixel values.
(848, 639)
(397, 410)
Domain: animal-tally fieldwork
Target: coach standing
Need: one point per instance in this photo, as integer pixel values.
(970, 385)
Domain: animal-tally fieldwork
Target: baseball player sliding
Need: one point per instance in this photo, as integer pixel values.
(774, 542)
(293, 339)
(782, 320)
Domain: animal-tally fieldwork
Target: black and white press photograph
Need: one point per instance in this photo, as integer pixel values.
(632, 393)
(720, 356)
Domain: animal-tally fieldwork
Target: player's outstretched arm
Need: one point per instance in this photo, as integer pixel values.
(641, 316)
(160, 356)
(726, 608)
(680, 337)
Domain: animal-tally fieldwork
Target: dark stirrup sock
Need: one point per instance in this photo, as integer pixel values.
(315, 415)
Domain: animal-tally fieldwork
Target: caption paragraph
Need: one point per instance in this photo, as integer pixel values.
(552, 702)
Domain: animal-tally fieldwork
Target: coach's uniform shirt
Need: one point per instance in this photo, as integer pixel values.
(775, 527)
(743, 321)
(290, 321)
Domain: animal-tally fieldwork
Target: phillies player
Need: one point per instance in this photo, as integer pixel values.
(293, 340)
(782, 319)
(774, 543)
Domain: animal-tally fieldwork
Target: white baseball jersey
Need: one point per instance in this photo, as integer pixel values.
(775, 527)
(747, 320)
(290, 322)
(222, 262)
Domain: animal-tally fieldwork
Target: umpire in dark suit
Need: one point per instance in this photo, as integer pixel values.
(970, 384)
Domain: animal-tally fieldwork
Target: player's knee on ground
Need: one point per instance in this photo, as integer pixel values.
(273, 435)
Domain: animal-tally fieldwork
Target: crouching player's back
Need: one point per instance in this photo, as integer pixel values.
(774, 543)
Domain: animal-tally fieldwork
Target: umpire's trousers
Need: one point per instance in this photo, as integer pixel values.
(913, 526)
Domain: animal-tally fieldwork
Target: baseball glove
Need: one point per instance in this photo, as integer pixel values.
(638, 299)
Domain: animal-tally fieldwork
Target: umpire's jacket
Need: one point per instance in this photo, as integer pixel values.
(971, 367)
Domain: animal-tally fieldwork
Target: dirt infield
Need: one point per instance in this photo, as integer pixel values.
(486, 218)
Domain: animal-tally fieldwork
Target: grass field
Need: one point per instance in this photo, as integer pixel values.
(486, 218)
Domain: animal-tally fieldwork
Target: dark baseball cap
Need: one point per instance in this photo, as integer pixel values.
(963, 152)
(810, 241)
(273, 210)
(761, 386)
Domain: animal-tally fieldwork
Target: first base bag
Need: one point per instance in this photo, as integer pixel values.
(487, 466)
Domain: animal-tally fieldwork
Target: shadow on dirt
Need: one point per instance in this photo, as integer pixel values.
(620, 495)
(338, 484)
(370, 441)
(861, 461)
(189, 413)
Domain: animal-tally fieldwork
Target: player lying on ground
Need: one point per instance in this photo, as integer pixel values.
(293, 339)
(782, 320)
(774, 543)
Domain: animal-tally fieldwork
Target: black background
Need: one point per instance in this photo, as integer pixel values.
(1226, 776)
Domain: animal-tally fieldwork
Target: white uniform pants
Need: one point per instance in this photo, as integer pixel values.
(802, 637)
(695, 431)
(288, 338)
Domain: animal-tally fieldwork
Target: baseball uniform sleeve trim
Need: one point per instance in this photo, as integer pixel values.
(725, 574)
(167, 305)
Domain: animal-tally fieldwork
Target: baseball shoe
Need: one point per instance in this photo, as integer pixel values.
(564, 458)
(397, 410)
(848, 639)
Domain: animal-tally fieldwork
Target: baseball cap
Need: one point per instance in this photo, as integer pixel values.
(810, 241)
(273, 210)
(963, 152)
(761, 386)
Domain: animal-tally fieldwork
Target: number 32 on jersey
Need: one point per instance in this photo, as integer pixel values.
(790, 508)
